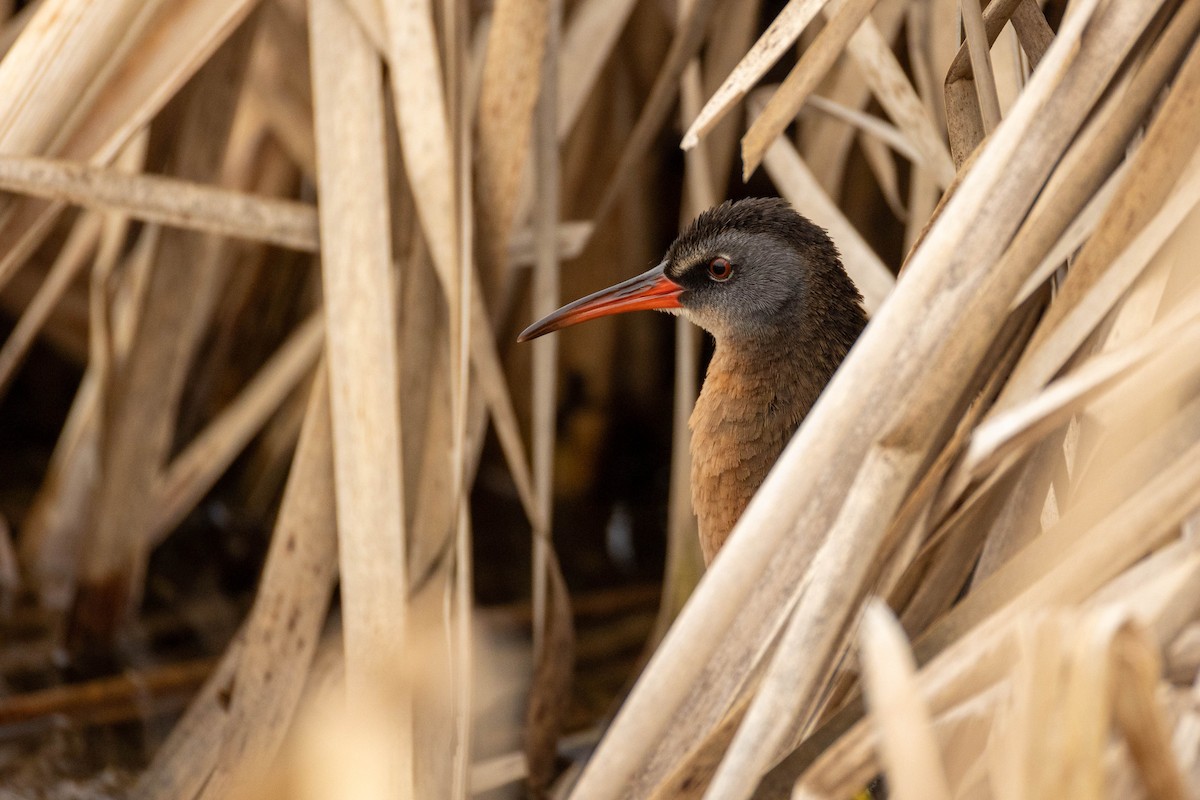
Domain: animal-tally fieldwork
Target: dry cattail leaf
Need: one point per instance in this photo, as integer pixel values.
(53, 63)
(910, 752)
(71, 259)
(511, 82)
(978, 660)
(1101, 144)
(164, 200)
(14, 24)
(422, 115)
(883, 167)
(689, 36)
(362, 352)
(1160, 186)
(587, 42)
(964, 122)
(546, 714)
(192, 473)
(299, 572)
(824, 141)
(139, 408)
(986, 208)
(1076, 234)
(895, 93)
(553, 626)
(571, 238)
(979, 47)
(284, 627)
(173, 46)
(882, 132)
(778, 37)
(1011, 431)
(56, 521)
(844, 17)
(1136, 669)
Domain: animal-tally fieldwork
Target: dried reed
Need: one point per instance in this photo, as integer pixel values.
(973, 568)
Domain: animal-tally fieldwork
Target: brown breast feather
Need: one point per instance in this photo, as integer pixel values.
(746, 414)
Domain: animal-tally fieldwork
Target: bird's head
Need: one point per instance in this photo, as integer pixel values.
(735, 272)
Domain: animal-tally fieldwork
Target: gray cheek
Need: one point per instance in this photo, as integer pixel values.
(757, 301)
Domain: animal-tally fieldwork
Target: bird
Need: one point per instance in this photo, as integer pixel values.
(768, 284)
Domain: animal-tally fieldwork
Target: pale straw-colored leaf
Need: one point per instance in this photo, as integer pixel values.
(781, 34)
(362, 352)
(844, 17)
(689, 36)
(571, 238)
(553, 633)
(173, 46)
(964, 118)
(891, 87)
(1136, 668)
(509, 90)
(881, 130)
(422, 116)
(194, 471)
(139, 408)
(883, 166)
(1078, 232)
(14, 24)
(1045, 575)
(71, 259)
(826, 137)
(1009, 431)
(54, 61)
(588, 41)
(1102, 143)
(165, 200)
(1160, 188)
(230, 730)
(987, 207)
(284, 626)
(980, 51)
(910, 752)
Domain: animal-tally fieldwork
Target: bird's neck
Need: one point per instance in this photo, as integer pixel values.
(756, 393)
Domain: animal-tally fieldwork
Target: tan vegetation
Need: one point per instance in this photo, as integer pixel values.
(973, 570)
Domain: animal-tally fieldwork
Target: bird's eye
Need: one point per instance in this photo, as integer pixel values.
(719, 269)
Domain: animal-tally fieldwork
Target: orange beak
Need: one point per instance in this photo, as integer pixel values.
(652, 289)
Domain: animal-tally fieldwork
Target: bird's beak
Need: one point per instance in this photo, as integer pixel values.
(652, 289)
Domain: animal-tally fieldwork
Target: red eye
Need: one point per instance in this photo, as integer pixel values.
(720, 269)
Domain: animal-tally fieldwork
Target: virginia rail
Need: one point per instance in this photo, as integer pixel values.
(769, 286)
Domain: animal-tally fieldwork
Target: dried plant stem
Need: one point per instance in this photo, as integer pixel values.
(361, 321)
(909, 749)
(173, 46)
(196, 469)
(169, 201)
(139, 412)
(981, 63)
(739, 585)
(844, 17)
(778, 37)
(688, 37)
(71, 259)
(238, 721)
